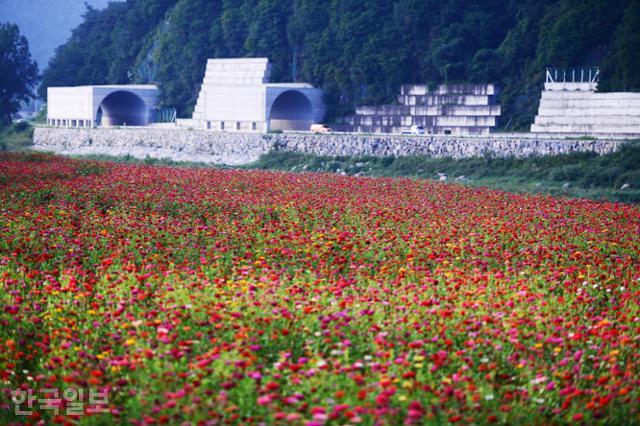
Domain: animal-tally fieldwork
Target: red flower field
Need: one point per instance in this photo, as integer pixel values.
(203, 296)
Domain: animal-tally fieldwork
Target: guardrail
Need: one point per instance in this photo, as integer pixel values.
(163, 115)
(573, 75)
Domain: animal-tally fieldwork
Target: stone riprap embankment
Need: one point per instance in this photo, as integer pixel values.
(175, 144)
(242, 148)
(437, 146)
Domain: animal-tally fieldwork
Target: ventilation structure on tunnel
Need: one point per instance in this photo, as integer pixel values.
(122, 108)
(291, 111)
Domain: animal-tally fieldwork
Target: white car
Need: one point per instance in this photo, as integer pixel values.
(414, 130)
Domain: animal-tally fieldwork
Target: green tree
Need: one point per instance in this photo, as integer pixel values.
(623, 64)
(18, 72)
(183, 51)
(268, 36)
(358, 51)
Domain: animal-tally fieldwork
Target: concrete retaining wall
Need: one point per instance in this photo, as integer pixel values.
(176, 144)
(241, 148)
(587, 112)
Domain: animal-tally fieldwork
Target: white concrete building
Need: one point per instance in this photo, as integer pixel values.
(236, 95)
(91, 106)
(448, 109)
(570, 105)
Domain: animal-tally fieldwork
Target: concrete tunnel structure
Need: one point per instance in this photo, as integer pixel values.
(237, 95)
(92, 106)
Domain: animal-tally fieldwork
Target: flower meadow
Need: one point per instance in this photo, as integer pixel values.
(203, 296)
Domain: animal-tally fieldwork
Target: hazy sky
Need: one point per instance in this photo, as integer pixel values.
(46, 23)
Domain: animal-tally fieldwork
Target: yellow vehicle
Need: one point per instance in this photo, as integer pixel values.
(320, 128)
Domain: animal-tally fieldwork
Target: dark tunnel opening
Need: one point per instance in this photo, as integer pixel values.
(123, 109)
(291, 111)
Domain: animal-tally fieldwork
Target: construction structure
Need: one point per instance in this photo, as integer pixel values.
(448, 109)
(92, 106)
(571, 105)
(237, 95)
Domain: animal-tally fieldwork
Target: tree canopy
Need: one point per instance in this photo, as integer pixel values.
(358, 51)
(18, 72)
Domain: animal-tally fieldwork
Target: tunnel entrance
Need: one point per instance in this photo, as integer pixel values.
(122, 109)
(291, 111)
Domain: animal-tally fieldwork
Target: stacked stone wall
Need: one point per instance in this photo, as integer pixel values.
(242, 148)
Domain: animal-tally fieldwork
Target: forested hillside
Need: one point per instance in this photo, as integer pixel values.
(358, 51)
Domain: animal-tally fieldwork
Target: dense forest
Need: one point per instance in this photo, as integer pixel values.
(358, 51)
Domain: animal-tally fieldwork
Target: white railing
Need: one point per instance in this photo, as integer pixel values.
(573, 75)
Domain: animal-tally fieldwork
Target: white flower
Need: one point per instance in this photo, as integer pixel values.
(538, 380)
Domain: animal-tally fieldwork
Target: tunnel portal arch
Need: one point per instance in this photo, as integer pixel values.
(291, 110)
(122, 108)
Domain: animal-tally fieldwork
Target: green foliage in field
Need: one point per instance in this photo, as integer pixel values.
(358, 51)
(16, 137)
(578, 174)
(41, 117)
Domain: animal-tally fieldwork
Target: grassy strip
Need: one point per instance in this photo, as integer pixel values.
(149, 161)
(585, 175)
(16, 137)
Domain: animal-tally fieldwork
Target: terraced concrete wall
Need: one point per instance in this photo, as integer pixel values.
(584, 112)
(454, 109)
(241, 148)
